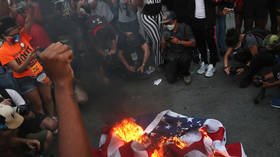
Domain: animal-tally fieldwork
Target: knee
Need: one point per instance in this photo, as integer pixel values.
(49, 124)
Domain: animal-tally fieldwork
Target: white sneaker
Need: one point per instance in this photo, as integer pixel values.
(202, 69)
(210, 71)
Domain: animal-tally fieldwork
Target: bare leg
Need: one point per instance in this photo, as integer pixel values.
(35, 99)
(45, 92)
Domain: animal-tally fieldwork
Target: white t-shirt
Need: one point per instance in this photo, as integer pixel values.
(199, 9)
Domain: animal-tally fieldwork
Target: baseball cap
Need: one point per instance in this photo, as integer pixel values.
(168, 16)
(12, 119)
(6, 23)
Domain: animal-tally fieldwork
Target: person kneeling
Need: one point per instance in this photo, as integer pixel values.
(178, 42)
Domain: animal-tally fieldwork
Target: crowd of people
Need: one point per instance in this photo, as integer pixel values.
(128, 38)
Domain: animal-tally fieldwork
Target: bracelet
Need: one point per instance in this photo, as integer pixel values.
(226, 67)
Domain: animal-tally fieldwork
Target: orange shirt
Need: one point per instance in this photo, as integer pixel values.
(19, 52)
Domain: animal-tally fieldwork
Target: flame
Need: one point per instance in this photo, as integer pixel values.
(127, 130)
(165, 141)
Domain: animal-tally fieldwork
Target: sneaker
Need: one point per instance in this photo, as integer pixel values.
(187, 79)
(275, 103)
(210, 71)
(202, 69)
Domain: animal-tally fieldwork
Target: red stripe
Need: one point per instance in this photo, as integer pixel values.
(126, 150)
(234, 149)
(219, 135)
(199, 146)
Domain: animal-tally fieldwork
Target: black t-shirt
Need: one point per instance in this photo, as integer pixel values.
(183, 32)
(152, 7)
(130, 44)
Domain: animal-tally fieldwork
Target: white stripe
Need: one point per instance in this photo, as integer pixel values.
(212, 125)
(102, 140)
(243, 154)
(155, 122)
(139, 150)
(113, 147)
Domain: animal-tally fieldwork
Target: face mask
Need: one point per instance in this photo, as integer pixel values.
(170, 27)
(13, 39)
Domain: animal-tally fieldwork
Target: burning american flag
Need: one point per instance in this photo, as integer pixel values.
(167, 134)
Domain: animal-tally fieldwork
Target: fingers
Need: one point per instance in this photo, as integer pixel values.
(57, 51)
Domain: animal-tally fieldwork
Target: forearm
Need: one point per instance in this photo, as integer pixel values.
(15, 141)
(122, 59)
(189, 43)
(146, 51)
(28, 20)
(73, 139)
(21, 68)
(275, 83)
(226, 57)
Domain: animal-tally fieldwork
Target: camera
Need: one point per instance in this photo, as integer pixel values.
(258, 81)
(23, 109)
(21, 7)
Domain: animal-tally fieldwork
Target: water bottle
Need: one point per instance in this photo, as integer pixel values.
(43, 78)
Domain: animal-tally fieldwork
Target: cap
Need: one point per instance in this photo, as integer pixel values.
(272, 41)
(168, 16)
(6, 23)
(12, 119)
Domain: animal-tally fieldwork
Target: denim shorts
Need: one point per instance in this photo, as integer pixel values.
(27, 84)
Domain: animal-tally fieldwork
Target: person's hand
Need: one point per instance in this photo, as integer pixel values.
(130, 68)
(266, 84)
(239, 71)
(227, 11)
(33, 144)
(128, 34)
(174, 40)
(56, 59)
(141, 68)
(227, 70)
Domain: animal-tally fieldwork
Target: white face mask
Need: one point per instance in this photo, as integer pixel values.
(170, 27)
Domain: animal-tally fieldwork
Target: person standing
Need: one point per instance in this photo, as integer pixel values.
(202, 16)
(255, 14)
(151, 17)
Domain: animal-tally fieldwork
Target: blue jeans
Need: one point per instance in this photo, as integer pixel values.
(6, 80)
(221, 33)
